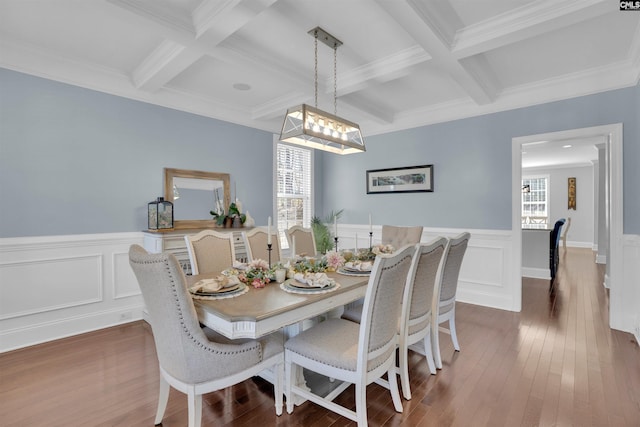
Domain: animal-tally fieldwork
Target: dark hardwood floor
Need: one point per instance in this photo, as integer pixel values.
(554, 364)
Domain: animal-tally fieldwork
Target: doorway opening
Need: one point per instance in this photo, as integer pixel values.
(612, 134)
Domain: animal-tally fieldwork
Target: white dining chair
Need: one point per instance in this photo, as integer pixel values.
(565, 232)
(194, 360)
(417, 308)
(255, 242)
(354, 353)
(445, 310)
(210, 251)
(401, 236)
(414, 324)
(305, 241)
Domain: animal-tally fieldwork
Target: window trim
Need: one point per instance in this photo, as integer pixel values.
(274, 187)
(547, 193)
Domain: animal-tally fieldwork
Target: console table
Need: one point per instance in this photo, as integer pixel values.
(173, 241)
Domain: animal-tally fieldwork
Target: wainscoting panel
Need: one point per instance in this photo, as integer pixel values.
(486, 269)
(124, 281)
(37, 286)
(631, 290)
(79, 283)
(56, 286)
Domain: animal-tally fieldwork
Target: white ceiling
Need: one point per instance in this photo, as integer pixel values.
(561, 153)
(404, 63)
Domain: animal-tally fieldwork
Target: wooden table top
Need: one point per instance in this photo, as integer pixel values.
(263, 303)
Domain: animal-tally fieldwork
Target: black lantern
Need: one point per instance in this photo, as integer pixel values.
(160, 215)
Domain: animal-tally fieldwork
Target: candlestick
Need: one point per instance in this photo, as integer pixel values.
(335, 239)
(293, 247)
(370, 240)
(269, 233)
(269, 250)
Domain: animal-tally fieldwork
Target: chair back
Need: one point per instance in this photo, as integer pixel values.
(555, 234)
(401, 236)
(554, 240)
(451, 271)
(565, 232)
(210, 251)
(381, 308)
(255, 242)
(305, 240)
(176, 331)
(426, 275)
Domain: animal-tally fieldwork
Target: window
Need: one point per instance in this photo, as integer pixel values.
(293, 188)
(535, 209)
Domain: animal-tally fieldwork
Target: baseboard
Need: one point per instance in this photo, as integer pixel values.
(571, 244)
(484, 299)
(61, 328)
(536, 273)
(77, 284)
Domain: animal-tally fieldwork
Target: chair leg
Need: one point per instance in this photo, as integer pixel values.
(194, 403)
(361, 404)
(277, 387)
(452, 328)
(404, 372)
(287, 386)
(163, 398)
(435, 344)
(393, 387)
(428, 354)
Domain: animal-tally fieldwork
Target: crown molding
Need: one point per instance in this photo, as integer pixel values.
(524, 22)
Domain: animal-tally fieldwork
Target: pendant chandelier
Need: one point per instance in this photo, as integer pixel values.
(311, 127)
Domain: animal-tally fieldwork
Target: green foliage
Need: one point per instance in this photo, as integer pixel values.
(322, 233)
(233, 212)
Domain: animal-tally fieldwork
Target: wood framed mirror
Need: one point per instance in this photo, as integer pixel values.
(193, 194)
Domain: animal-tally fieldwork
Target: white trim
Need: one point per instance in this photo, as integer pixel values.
(88, 277)
(536, 273)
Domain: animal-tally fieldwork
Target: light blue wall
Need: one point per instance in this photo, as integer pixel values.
(472, 164)
(75, 161)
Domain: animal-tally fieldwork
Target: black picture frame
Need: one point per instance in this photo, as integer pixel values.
(409, 179)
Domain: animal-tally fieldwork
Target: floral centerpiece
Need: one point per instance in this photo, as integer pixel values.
(363, 259)
(382, 249)
(334, 260)
(257, 273)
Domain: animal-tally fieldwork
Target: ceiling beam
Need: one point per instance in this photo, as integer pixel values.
(527, 21)
(213, 22)
(415, 20)
(382, 70)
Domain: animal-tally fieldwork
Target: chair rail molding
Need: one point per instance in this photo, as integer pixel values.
(83, 282)
(57, 286)
(486, 269)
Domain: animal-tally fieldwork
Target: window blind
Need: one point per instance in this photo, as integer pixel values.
(293, 180)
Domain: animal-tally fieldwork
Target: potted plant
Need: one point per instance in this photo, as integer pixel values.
(322, 234)
(233, 217)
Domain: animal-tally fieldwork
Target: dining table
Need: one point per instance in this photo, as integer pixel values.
(261, 311)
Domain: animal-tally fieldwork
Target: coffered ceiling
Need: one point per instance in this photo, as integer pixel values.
(404, 63)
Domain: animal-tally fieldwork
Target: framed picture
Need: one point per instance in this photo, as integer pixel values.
(411, 179)
(572, 193)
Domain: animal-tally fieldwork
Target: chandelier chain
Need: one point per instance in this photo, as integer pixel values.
(335, 79)
(315, 79)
